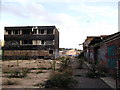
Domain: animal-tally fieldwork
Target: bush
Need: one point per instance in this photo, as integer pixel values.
(80, 55)
(96, 71)
(65, 61)
(18, 73)
(61, 80)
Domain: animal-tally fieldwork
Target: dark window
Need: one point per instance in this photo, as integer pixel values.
(16, 32)
(42, 42)
(49, 31)
(26, 31)
(50, 51)
(35, 31)
(9, 32)
(39, 31)
(27, 42)
(42, 31)
(40, 57)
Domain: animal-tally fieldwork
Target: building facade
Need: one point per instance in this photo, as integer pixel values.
(31, 42)
(104, 51)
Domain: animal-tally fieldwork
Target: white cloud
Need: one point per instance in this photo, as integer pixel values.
(73, 30)
(58, 1)
(94, 10)
(76, 1)
(26, 9)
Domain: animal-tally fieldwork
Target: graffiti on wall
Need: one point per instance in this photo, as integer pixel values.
(111, 52)
(102, 54)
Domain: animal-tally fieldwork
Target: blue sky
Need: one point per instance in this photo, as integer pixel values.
(75, 19)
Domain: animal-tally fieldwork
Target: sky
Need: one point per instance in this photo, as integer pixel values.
(75, 19)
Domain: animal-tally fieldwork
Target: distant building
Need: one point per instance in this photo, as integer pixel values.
(31, 42)
(72, 52)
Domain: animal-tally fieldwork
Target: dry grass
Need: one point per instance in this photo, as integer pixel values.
(37, 71)
(10, 82)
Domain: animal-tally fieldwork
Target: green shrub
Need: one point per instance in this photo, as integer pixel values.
(61, 80)
(65, 63)
(96, 71)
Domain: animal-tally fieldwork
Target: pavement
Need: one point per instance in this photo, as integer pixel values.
(106, 83)
(108, 80)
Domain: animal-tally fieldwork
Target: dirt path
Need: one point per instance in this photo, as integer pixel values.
(83, 81)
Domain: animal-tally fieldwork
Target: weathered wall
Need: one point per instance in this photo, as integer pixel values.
(26, 53)
(102, 55)
(108, 53)
(91, 55)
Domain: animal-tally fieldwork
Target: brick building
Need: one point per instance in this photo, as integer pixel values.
(31, 42)
(104, 51)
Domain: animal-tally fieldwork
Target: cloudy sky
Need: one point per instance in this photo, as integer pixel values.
(75, 19)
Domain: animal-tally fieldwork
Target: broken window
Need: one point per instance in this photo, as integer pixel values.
(13, 32)
(42, 42)
(50, 42)
(9, 32)
(50, 31)
(42, 31)
(50, 51)
(25, 31)
(39, 31)
(27, 42)
(34, 31)
(16, 32)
